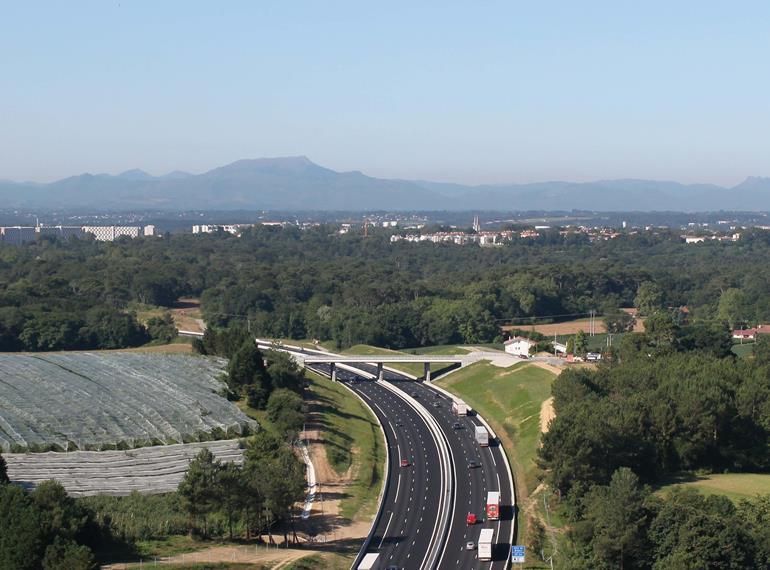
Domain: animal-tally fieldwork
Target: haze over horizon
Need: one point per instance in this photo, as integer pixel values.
(500, 94)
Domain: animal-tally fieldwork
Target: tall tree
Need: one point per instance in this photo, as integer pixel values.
(21, 540)
(198, 488)
(649, 298)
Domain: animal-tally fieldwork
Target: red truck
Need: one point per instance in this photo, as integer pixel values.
(493, 505)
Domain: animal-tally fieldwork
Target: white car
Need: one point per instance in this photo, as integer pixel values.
(470, 545)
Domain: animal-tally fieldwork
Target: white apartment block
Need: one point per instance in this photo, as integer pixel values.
(111, 233)
(214, 228)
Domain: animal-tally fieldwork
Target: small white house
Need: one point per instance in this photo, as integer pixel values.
(560, 348)
(518, 346)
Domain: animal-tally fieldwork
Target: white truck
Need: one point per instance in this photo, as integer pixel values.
(482, 436)
(486, 539)
(369, 562)
(460, 408)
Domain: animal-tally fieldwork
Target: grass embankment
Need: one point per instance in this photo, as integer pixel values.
(509, 399)
(354, 444)
(734, 486)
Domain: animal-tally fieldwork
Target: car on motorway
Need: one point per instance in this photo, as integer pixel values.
(470, 545)
(473, 464)
(471, 519)
(457, 425)
(436, 404)
(405, 463)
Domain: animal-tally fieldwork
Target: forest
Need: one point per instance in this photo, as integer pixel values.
(671, 401)
(288, 283)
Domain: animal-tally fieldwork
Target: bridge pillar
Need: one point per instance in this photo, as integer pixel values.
(380, 372)
(333, 368)
(426, 368)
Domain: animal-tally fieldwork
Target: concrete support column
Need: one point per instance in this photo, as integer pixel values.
(334, 371)
(380, 372)
(426, 368)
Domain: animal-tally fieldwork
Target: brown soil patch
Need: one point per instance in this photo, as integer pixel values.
(243, 554)
(570, 327)
(326, 523)
(174, 348)
(547, 413)
(187, 315)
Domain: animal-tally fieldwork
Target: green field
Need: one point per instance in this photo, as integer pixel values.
(743, 350)
(352, 438)
(734, 486)
(439, 349)
(596, 343)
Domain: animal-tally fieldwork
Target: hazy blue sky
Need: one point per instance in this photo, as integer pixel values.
(456, 91)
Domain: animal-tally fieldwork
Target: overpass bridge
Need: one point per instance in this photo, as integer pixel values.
(380, 360)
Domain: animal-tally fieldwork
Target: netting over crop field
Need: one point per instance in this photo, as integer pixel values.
(148, 470)
(96, 401)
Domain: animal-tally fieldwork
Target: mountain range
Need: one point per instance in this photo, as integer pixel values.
(296, 183)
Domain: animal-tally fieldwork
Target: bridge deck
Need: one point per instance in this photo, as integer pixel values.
(383, 358)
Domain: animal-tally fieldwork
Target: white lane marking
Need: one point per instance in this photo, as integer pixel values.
(386, 531)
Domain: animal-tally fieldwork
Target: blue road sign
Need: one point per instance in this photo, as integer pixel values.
(518, 553)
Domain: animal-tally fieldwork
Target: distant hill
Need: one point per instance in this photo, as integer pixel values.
(296, 183)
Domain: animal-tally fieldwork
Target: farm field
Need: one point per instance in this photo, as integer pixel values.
(569, 327)
(157, 469)
(107, 400)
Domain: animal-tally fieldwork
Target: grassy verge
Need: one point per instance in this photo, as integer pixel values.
(354, 442)
(439, 349)
(734, 486)
(510, 400)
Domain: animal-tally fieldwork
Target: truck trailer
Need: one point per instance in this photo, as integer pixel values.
(493, 505)
(486, 539)
(482, 436)
(460, 408)
(369, 562)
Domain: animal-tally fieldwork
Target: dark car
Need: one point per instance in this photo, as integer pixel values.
(473, 464)
(457, 425)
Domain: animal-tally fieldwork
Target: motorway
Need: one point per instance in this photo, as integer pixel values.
(471, 485)
(409, 517)
(407, 527)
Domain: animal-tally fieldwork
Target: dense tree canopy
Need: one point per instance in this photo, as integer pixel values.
(287, 283)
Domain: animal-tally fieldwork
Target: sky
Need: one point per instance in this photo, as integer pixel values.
(468, 92)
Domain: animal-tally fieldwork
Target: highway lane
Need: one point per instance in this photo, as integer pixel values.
(471, 485)
(408, 523)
